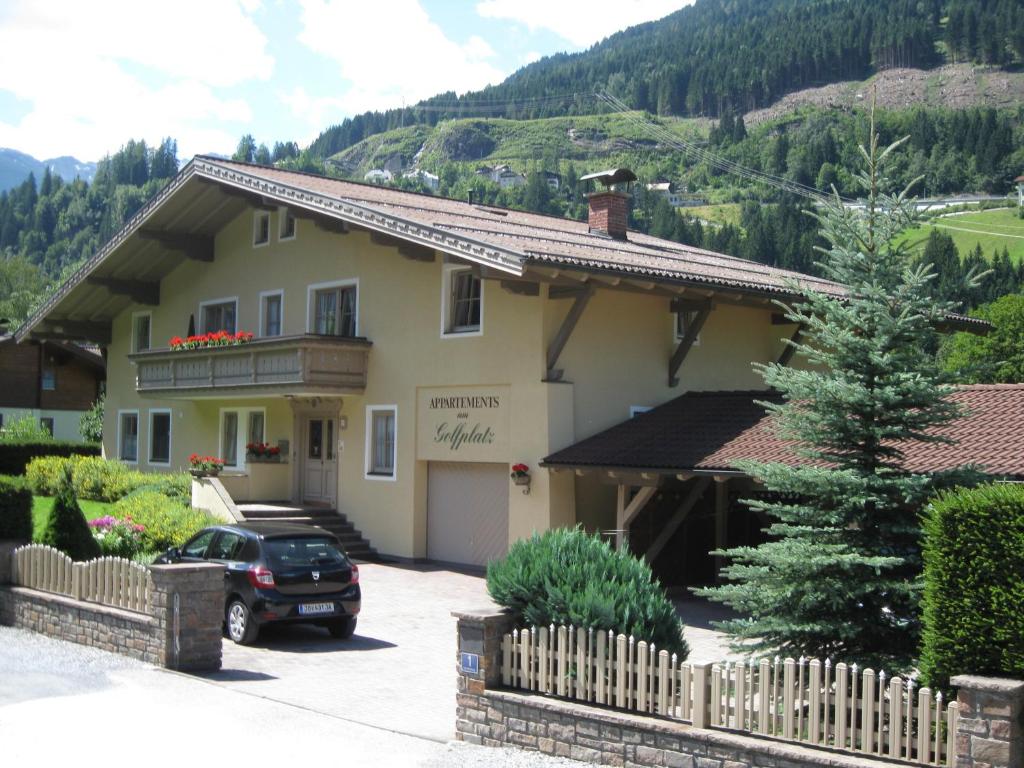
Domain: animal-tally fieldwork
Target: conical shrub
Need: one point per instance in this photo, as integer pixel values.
(67, 529)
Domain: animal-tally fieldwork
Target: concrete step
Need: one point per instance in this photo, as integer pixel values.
(331, 520)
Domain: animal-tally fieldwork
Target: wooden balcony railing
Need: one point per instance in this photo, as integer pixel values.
(278, 365)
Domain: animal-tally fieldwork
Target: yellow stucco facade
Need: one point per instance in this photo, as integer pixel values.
(616, 358)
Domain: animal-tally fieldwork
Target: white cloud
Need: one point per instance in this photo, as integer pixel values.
(98, 73)
(390, 50)
(581, 22)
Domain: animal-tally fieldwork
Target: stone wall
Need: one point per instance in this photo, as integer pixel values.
(989, 735)
(181, 630)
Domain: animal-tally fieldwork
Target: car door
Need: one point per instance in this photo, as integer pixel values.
(194, 550)
(228, 549)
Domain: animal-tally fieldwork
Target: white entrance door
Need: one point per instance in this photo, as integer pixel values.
(320, 461)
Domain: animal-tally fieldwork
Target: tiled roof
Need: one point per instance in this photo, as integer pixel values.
(546, 240)
(709, 431)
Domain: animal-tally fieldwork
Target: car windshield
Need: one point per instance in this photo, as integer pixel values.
(289, 553)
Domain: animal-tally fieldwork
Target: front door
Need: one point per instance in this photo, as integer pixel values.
(320, 471)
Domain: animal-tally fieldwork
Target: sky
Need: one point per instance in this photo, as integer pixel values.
(81, 78)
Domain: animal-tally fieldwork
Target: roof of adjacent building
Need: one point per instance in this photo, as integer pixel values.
(711, 431)
(209, 192)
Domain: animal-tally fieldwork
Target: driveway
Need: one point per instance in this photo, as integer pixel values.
(398, 672)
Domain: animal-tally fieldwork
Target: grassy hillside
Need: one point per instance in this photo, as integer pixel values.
(993, 230)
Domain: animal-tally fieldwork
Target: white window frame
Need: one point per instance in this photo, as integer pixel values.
(311, 290)
(264, 295)
(283, 214)
(210, 302)
(257, 217)
(135, 328)
(675, 327)
(241, 434)
(636, 410)
(149, 437)
(446, 293)
(368, 473)
(120, 433)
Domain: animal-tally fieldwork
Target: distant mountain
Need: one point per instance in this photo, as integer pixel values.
(15, 166)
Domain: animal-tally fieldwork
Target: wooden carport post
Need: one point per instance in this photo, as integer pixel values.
(721, 521)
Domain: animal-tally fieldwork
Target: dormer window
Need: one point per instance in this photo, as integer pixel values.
(261, 228)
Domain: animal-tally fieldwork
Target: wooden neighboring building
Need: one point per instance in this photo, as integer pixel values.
(54, 382)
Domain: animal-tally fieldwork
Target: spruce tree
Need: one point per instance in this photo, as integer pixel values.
(67, 529)
(840, 575)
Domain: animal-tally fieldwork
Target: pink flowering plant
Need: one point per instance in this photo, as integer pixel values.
(116, 537)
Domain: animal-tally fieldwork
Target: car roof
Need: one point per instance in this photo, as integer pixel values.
(271, 530)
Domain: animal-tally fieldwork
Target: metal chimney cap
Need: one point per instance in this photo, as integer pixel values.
(611, 176)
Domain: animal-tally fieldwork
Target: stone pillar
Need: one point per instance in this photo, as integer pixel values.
(479, 637)
(188, 604)
(990, 731)
(7, 548)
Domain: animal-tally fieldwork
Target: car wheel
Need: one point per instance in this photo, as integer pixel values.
(342, 628)
(241, 626)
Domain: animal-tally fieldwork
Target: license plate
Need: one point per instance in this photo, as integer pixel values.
(312, 608)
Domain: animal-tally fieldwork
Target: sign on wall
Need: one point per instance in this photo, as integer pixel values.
(463, 424)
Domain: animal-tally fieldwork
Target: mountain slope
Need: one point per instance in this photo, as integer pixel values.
(15, 167)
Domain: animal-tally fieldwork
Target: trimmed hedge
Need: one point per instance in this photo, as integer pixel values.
(14, 457)
(102, 479)
(974, 584)
(566, 576)
(166, 522)
(15, 509)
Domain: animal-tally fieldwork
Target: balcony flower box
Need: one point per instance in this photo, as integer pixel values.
(262, 453)
(213, 339)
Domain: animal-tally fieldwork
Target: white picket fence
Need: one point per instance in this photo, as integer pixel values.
(804, 701)
(111, 581)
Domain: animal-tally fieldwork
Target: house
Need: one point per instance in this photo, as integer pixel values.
(408, 349)
(553, 179)
(429, 180)
(674, 198)
(378, 176)
(54, 382)
(505, 177)
(1019, 181)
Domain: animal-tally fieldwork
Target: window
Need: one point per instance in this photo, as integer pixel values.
(49, 378)
(462, 302)
(227, 547)
(683, 320)
(286, 225)
(380, 441)
(271, 306)
(160, 437)
(238, 427)
(261, 228)
(141, 331)
(198, 546)
(46, 422)
(128, 436)
(218, 315)
(334, 309)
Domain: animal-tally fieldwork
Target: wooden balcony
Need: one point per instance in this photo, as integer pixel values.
(296, 365)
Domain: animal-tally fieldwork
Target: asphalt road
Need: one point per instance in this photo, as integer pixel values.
(64, 704)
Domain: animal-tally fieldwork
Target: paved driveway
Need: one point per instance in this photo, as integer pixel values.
(398, 672)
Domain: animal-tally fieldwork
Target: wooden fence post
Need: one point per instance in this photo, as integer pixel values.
(701, 694)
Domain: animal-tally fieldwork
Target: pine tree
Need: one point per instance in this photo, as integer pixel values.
(67, 529)
(840, 576)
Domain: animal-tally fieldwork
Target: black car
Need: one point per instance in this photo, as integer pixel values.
(278, 572)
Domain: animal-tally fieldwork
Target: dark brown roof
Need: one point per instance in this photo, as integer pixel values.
(711, 431)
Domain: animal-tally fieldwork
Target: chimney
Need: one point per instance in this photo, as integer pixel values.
(609, 208)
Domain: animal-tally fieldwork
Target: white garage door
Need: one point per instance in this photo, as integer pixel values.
(467, 512)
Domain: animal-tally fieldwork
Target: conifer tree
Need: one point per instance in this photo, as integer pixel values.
(67, 529)
(840, 576)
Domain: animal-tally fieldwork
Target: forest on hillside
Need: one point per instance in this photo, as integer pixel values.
(720, 56)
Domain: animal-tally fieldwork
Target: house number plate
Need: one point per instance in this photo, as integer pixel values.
(470, 663)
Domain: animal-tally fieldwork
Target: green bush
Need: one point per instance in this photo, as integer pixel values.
(973, 585)
(166, 521)
(67, 529)
(566, 576)
(15, 509)
(16, 455)
(102, 479)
